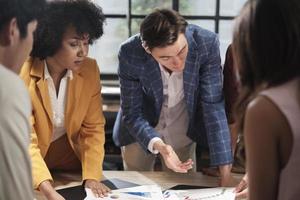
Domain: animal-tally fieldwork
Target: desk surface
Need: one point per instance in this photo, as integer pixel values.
(163, 179)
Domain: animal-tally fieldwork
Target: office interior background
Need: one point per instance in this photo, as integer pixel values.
(123, 18)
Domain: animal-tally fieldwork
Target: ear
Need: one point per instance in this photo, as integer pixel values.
(9, 33)
(146, 47)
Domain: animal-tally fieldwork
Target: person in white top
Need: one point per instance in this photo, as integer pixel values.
(18, 20)
(266, 46)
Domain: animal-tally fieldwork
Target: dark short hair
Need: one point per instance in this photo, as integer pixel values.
(24, 11)
(85, 16)
(162, 27)
(266, 45)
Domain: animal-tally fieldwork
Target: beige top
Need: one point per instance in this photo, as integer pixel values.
(286, 97)
(173, 121)
(15, 167)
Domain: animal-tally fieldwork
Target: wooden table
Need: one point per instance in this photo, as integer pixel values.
(164, 179)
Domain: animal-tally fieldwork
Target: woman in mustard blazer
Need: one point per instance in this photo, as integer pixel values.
(64, 85)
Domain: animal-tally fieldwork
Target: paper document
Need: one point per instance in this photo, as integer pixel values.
(220, 193)
(145, 192)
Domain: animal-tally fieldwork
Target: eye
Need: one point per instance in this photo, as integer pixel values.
(74, 44)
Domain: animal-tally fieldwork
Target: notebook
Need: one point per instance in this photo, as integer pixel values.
(78, 192)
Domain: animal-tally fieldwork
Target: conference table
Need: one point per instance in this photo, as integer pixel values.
(165, 180)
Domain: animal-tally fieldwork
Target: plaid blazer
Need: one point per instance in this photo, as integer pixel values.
(142, 95)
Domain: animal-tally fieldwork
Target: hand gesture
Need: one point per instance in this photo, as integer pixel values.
(171, 159)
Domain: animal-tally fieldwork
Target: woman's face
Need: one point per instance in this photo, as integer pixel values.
(73, 51)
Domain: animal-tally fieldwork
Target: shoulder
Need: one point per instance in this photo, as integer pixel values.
(263, 116)
(27, 67)
(132, 50)
(202, 37)
(89, 68)
(13, 92)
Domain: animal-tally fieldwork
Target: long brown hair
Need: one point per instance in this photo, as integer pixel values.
(266, 47)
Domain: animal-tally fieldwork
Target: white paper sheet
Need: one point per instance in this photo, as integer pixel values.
(145, 192)
(220, 193)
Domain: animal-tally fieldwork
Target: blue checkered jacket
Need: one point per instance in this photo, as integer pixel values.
(142, 95)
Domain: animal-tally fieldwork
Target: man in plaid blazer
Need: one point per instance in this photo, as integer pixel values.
(171, 96)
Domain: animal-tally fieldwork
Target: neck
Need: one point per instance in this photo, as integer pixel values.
(169, 71)
(55, 71)
(7, 60)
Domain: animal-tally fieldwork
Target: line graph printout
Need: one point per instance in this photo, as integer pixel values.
(220, 193)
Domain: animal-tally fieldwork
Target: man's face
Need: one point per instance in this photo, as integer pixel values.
(172, 56)
(23, 46)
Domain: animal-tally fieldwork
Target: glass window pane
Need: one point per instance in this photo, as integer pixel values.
(105, 50)
(225, 35)
(197, 7)
(207, 24)
(144, 7)
(135, 26)
(231, 7)
(113, 6)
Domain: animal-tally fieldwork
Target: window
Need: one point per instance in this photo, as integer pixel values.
(123, 18)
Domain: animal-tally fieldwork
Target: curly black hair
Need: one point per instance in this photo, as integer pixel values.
(83, 15)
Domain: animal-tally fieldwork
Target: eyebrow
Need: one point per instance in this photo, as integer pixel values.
(176, 54)
(80, 38)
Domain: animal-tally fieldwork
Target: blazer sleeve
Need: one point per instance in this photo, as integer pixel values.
(212, 103)
(40, 171)
(92, 136)
(132, 101)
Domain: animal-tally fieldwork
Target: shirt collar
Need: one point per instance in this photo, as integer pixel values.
(166, 73)
(47, 76)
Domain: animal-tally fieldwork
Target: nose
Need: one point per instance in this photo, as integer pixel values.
(83, 50)
(176, 61)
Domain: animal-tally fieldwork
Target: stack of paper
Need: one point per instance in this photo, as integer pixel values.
(201, 194)
(145, 192)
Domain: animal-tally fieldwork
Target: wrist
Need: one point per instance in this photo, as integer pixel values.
(225, 170)
(159, 145)
(46, 188)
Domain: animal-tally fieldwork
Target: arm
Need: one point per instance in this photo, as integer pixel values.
(260, 129)
(214, 118)
(92, 138)
(15, 166)
(40, 171)
(42, 178)
(132, 100)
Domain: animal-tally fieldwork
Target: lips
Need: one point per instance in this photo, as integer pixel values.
(78, 62)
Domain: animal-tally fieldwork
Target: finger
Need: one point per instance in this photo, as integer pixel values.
(188, 162)
(95, 192)
(101, 192)
(242, 194)
(179, 169)
(242, 185)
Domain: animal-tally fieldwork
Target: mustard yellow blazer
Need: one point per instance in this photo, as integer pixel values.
(84, 120)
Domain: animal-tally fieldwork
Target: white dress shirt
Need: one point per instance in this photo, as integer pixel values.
(58, 102)
(174, 120)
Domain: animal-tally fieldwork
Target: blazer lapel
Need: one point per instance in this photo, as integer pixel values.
(191, 73)
(38, 71)
(73, 97)
(153, 77)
